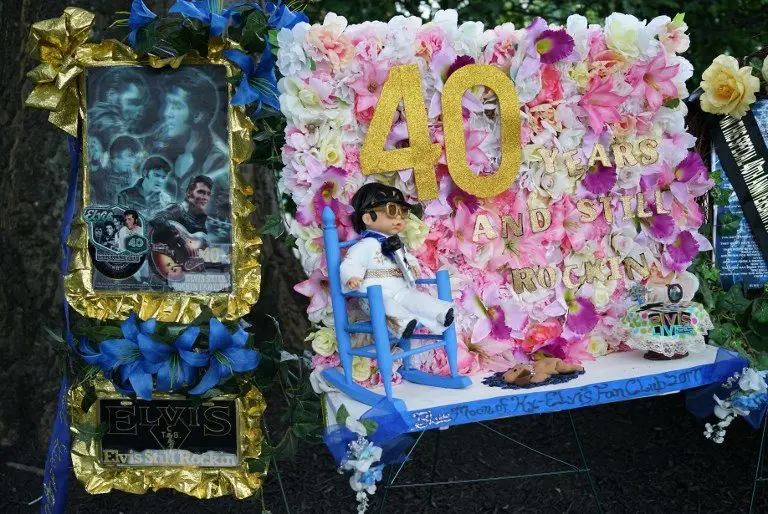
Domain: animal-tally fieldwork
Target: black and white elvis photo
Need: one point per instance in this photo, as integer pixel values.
(157, 143)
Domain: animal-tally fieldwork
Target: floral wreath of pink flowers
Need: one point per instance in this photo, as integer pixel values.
(578, 86)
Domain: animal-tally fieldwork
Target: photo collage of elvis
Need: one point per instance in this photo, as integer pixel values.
(158, 160)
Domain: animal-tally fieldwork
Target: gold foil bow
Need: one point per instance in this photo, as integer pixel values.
(61, 44)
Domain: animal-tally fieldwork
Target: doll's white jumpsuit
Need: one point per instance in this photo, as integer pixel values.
(365, 260)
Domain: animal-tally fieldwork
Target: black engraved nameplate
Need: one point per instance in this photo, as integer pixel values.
(169, 433)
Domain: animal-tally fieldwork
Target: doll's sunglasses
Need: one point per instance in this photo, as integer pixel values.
(393, 210)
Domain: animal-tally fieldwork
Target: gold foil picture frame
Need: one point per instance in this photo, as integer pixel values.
(101, 475)
(133, 116)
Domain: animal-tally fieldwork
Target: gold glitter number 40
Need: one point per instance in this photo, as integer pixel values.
(404, 83)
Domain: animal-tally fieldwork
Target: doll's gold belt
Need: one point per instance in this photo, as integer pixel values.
(384, 273)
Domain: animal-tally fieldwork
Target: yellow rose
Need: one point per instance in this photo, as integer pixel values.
(323, 341)
(361, 368)
(728, 89)
(579, 74)
(597, 345)
(416, 231)
(330, 150)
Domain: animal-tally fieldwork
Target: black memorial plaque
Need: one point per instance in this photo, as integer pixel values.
(169, 433)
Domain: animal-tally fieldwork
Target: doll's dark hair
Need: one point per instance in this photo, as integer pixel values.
(371, 195)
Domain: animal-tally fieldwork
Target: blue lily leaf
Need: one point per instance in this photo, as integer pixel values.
(139, 17)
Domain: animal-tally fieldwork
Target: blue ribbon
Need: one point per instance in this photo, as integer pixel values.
(700, 402)
(56, 478)
(391, 435)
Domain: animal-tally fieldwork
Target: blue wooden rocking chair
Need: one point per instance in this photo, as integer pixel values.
(381, 349)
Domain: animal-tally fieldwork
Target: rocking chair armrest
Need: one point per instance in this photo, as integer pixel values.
(356, 294)
(426, 281)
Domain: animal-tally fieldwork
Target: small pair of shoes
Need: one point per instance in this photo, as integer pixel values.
(447, 319)
(409, 328)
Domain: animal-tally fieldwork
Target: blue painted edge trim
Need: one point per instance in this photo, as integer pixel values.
(571, 398)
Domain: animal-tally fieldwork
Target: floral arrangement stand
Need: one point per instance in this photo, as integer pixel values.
(611, 378)
(565, 468)
(381, 349)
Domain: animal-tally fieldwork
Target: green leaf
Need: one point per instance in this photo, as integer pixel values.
(259, 465)
(728, 223)
(720, 195)
(341, 415)
(273, 227)
(305, 430)
(370, 426)
(733, 301)
(252, 37)
(678, 19)
(717, 176)
(290, 241)
(672, 103)
(272, 38)
(89, 398)
(760, 310)
(721, 334)
(287, 447)
(706, 294)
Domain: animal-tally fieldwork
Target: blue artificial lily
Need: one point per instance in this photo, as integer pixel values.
(228, 355)
(87, 353)
(140, 16)
(258, 83)
(177, 362)
(214, 16)
(281, 17)
(125, 357)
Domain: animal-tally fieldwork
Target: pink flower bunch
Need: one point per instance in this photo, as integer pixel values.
(578, 86)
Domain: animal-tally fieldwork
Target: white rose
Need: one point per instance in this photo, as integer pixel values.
(469, 40)
(623, 240)
(751, 381)
(626, 35)
(628, 177)
(601, 296)
(291, 58)
(576, 26)
(684, 72)
(447, 20)
(323, 341)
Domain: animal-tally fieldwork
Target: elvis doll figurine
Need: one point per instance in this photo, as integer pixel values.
(379, 258)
